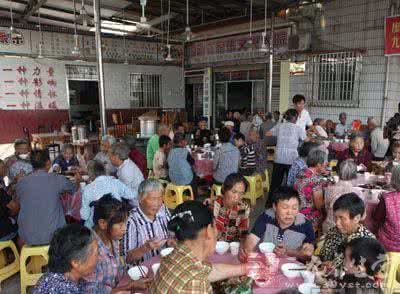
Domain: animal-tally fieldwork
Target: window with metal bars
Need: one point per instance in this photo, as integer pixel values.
(334, 79)
(145, 90)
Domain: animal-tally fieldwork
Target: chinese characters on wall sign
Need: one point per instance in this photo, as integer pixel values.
(392, 35)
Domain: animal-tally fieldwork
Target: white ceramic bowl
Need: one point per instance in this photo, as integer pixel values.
(155, 268)
(261, 282)
(289, 270)
(135, 273)
(266, 247)
(234, 246)
(308, 276)
(222, 247)
(166, 251)
(308, 288)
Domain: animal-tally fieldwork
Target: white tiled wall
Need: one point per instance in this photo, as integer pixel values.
(358, 24)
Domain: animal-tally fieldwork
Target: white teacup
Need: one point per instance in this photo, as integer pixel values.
(234, 246)
(155, 268)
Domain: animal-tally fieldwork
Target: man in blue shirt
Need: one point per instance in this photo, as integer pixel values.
(283, 225)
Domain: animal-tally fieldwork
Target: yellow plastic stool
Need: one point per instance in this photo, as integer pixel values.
(174, 195)
(216, 190)
(255, 189)
(266, 181)
(392, 269)
(27, 278)
(7, 270)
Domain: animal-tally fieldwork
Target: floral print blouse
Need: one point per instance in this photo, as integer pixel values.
(307, 182)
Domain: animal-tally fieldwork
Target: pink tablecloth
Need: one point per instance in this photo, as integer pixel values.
(72, 205)
(338, 147)
(203, 167)
(279, 282)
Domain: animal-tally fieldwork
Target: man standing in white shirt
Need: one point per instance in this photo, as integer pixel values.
(303, 119)
(379, 145)
(127, 170)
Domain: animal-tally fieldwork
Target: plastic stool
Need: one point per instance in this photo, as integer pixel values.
(27, 278)
(172, 200)
(255, 188)
(266, 181)
(7, 270)
(392, 269)
(216, 190)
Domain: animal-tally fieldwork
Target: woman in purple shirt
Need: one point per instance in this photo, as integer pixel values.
(109, 217)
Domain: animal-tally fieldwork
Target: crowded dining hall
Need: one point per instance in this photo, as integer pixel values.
(171, 146)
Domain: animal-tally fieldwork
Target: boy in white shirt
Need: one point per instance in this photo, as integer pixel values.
(303, 119)
(160, 158)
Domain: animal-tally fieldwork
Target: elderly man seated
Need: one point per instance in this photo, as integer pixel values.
(103, 156)
(127, 170)
(67, 160)
(101, 185)
(19, 164)
(146, 229)
(283, 225)
(379, 145)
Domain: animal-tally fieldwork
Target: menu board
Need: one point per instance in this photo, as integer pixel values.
(27, 84)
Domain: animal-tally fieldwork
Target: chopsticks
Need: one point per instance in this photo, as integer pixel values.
(142, 272)
(297, 269)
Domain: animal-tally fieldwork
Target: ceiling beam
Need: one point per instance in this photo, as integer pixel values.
(31, 8)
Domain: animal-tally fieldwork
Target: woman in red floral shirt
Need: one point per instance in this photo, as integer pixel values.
(231, 214)
(309, 183)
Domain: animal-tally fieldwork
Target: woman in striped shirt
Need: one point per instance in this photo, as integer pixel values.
(146, 229)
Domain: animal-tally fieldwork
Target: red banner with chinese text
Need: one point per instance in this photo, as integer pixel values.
(392, 35)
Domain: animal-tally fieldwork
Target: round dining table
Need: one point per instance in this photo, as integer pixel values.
(277, 283)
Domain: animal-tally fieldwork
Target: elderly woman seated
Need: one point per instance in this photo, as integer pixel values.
(300, 163)
(349, 210)
(357, 152)
(66, 160)
(310, 183)
(73, 255)
(387, 215)
(283, 225)
(147, 231)
(231, 213)
(394, 160)
(319, 127)
(103, 156)
(186, 269)
(347, 173)
(110, 225)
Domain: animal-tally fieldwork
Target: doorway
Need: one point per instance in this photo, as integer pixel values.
(84, 103)
(240, 96)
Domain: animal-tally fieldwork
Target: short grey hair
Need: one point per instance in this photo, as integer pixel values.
(95, 169)
(347, 170)
(109, 139)
(395, 179)
(162, 127)
(130, 140)
(148, 186)
(67, 146)
(372, 120)
(121, 150)
(316, 157)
